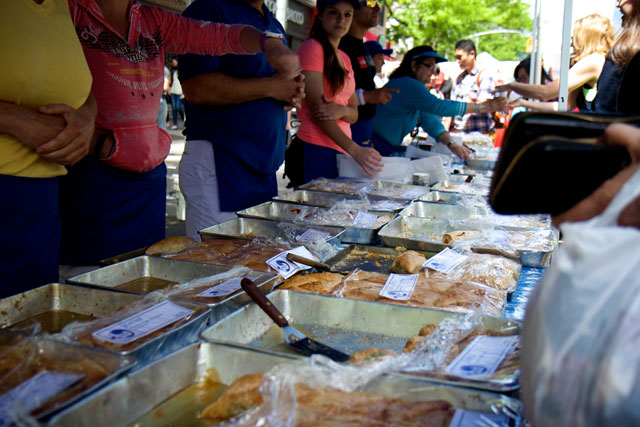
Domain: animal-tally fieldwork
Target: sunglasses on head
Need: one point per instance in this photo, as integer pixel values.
(370, 3)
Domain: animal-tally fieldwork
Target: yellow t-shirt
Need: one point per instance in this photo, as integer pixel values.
(42, 64)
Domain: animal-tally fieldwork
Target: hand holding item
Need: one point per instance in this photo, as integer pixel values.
(368, 158)
(328, 110)
(460, 150)
(379, 96)
(495, 104)
(616, 135)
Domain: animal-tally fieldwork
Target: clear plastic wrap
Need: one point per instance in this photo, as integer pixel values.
(510, 242)
(461, 297)
(490, 270)
(26, 359)
(318, 391)
(344, 213)
(149, 346)
(580, 359)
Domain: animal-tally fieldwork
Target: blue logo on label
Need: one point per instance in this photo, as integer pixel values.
(283, 265)
(120, 333)
(473, 369)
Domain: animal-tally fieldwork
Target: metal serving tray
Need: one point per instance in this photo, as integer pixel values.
(288, 212)
(251, 228)
(436, 211)
(481, 163)
(97, 303)
(462, 188)
(166, 272)
(42, 349)
(178, 373)
(446, 198)
(367, 258)
(370, 187)
(426, 235)
(347, 325)
(327, 200)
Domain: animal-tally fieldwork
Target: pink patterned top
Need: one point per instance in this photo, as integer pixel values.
(128, 73)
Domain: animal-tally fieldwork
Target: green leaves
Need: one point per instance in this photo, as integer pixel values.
(442, 23)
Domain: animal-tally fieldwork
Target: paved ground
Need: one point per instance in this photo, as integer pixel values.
(175, 226)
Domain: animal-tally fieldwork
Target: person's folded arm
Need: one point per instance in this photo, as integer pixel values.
(368, 158)
(29, 126)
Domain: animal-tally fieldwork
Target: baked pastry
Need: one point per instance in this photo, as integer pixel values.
(315, 283)
(452, 236)
(490, 270)
(171, 245)
(332, 407)
(409, 262)
(369, 355)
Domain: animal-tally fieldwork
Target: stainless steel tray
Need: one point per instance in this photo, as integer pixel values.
(371, 187)
(446, 198)
(251, 228)
(99, 303)
(161, 273)
(481, 163)
(327, 200)
(346, 324)
(179, 372)
(367, 258)
(462, 188)
(42, 349)
(288, 212)
(426, 235)
(436, 211)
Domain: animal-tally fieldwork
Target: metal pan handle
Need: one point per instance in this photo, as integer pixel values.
(263, 302)
(306, 261)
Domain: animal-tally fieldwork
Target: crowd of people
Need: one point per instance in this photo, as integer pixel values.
(83, 144)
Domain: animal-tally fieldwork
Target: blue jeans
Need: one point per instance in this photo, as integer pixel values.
(176, 107)
(162, 113)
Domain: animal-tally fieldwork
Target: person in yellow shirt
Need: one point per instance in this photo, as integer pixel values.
(47, 116)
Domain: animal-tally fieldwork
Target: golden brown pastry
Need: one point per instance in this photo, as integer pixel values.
(459, 235)
(409, 262)
(171, 245)
(369, 355)
(491, 270)
(315, 283)
(331, 407)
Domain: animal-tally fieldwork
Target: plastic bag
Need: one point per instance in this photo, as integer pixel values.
(580, 358)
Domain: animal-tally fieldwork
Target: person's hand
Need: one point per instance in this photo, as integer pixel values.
(328, 110)
(508, 87)
(495, 104)
(379, 96)
(281, 57)
(73, 142)
(460, 150)
(287, 89)
(515, 103)
(624, 136)
(368, 158)
(33, 128)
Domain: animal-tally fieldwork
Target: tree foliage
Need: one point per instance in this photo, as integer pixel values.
(441, 23)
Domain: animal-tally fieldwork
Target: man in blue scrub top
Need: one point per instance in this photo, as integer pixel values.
(236, 120)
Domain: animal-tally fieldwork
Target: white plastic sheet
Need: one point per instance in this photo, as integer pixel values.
(581, 338)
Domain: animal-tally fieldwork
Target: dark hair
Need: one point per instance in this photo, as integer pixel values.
(526, 64)
(405, 69)
(627, 44)
(332, 70)
(466, 45)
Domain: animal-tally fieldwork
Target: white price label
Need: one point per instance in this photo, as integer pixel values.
(287, 268)
(462, 418)
(143, 323)
(313, 235)
(414, 194)
(365, 220)
(34, 392)
(399, 286)
(445, 261)
(225, 288)
(482, 356)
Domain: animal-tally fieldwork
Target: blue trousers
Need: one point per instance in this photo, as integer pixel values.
(29, 232)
